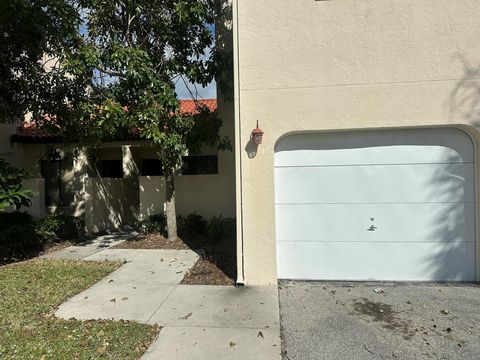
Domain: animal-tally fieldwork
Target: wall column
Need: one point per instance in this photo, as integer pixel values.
(130, 175)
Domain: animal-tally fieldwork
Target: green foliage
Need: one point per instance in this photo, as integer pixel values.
(30, 31)
(12, 192)
(153, 223)
(213, 229)
(59, 227)
(195, 223)
(8, 219)
(17, 234)
(116, 75)
(21, 235)
(219, 227)
(127, 63)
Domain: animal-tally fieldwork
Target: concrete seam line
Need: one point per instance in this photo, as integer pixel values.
(158, 308)
(276, 327)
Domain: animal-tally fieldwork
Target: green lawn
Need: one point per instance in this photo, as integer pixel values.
(30, 291)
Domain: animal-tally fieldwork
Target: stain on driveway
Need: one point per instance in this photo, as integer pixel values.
(325, 320)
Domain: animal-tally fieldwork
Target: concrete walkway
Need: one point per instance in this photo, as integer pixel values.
(199, 322)
(90, 247)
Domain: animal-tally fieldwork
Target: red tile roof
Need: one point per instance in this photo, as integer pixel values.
(28, 131)
(190, 106)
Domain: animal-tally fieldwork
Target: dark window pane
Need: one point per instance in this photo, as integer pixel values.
(199, 165)
(51, 176)
(111, 169)
(58, 191)
(152, 167)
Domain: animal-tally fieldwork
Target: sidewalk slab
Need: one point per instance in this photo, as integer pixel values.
(90, 247)
(149, 256)
(136, 290)
(117, 301)
(72, 253)
(220, 306)
(194, 343)
(151, 266)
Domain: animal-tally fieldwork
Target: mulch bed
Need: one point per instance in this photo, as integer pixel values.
(152, 241)
(47, 248)
(216, 266)
(205, 272)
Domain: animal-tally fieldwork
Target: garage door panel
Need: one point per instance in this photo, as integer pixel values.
(431, 222)
(376, 205)
(377, 261)
(379, 147)
(375, 184)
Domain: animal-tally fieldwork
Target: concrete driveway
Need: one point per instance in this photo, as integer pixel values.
(379, 321)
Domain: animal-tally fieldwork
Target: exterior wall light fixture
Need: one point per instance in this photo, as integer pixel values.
(257, 135)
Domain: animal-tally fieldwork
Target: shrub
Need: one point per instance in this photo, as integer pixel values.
(14, 218)
(153, 223)
(195, 223)
(72, 227)
(19, 239)
(59, 227)
(47, 228)
(229, 227)
(219, 227)
(12, 192)
(21, 235)
(17, 234)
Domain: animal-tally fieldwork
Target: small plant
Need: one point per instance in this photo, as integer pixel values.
(47, 228)
(17, 234)
(59, 227)
(153, 223)
(8, 219)
(20, 234)
(196, 223)
(229, 227)
(219, 227)
(12, 192)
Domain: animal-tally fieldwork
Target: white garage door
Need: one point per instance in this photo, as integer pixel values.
(376, 205)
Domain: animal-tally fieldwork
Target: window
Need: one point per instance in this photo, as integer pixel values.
(199, 165)
(111, 168)
(152, 167)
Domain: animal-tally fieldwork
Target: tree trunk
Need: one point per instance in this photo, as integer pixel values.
(170, 205)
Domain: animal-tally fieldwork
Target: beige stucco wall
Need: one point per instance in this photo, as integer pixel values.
(343, 64)
(37, 209)
(6, 147)
(207, 195)
(106, 205)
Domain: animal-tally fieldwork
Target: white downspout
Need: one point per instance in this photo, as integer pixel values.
(238, 147)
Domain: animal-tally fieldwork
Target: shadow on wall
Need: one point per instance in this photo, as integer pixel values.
(464, 101)
(251, 149)
(152, 197)
(110, 204)
(453, 227)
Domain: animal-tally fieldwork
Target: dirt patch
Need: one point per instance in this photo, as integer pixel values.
(152, 241)
(216, 266)
(204, 272)
(385, 315)
(56, 246)
(47, 248)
